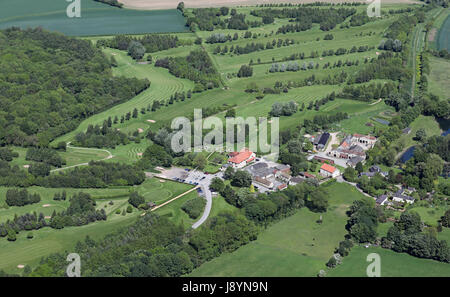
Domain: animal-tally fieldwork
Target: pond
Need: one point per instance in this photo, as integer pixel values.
(408, 154)
(96, 18)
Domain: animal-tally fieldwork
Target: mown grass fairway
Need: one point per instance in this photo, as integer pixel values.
(295, 246)
(96, 18)
(392, 264)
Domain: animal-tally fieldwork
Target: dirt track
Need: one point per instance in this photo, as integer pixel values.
(172, 4)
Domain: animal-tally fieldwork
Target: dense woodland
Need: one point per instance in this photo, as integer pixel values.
(49, 83)
(169, 251)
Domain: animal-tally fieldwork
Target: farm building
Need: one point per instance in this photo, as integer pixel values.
(242, 158)
(329, 171)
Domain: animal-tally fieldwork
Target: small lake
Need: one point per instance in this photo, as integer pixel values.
(408, 154)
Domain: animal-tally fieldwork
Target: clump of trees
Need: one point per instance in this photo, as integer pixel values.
(45, 155)
(151, 42)
(16, 197)
(197, 66)
(7, 154)
(194, 207)
(283, 109)
(407, 236)
(100, 137)
(245, 71)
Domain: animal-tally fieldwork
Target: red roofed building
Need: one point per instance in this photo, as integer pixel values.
(239, 160)
(329, 171)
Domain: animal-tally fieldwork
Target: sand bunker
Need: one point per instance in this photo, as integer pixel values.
(47, 217)
(46, 205)
(20, 266)
(151, 121)
(140, 130)
(139, 154)
(162, 181)
(26, 166)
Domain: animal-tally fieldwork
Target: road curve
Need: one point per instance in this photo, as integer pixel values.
(208, 197)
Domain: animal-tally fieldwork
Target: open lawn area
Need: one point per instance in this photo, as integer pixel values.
(392, 264)
(439, 78)
(294, 246)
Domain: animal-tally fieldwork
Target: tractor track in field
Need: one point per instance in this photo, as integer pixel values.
(110, 156)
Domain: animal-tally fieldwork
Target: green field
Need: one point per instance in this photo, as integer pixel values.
(392, 265)
(96, 18)
(295, 246)
(439, 78)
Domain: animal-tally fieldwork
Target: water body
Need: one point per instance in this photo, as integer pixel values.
(96, 18)
(408, 154)
(443, 41)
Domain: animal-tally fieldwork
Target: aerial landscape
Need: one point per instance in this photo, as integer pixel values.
(319, 143)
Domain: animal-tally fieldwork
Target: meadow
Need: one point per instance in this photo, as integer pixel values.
(294, 246)
(439, 78)
(96, 18)
(392, 264)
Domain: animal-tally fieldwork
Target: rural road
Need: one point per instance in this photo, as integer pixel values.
(110, 156)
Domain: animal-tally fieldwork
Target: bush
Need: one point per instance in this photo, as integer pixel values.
(194, 207)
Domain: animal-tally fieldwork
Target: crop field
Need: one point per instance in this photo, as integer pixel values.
(295, 246)
(443, 39)
(392, 264)
(96, 18)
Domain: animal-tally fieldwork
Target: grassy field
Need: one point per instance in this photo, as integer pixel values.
(392, 265)
(426, 122)
(439, 78)
(295, 246)
(96, 18)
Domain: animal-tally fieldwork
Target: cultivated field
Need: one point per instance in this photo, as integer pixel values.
(96, 18)
(169, 4)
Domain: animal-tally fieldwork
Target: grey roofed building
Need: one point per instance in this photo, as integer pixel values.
(317, 139)
(381, 199)
(375, 168)
(407, 130)
(263, 173)
(296, 180)
(368, 174)
(355, 160)
(258, 166)
(324, 139)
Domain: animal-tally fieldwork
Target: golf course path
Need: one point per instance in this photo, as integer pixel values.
(110, 156)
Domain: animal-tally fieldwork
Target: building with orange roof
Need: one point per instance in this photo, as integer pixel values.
(242, 158)
(329, 171)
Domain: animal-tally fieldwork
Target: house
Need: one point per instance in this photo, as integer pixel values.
(283, 176)
(282, 187)
(329, 171)
(315, 139)
(400, 196)
(242, 158)
(407, 130)
(296, 180)
(382, 199)
(377, 169)
(263, 182)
